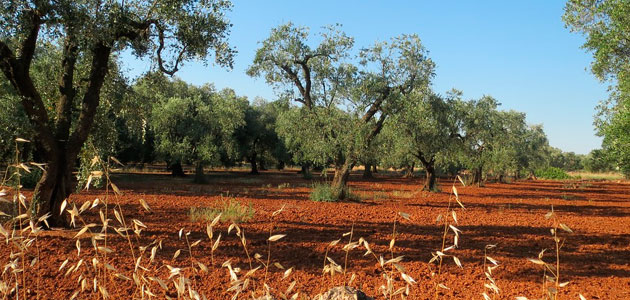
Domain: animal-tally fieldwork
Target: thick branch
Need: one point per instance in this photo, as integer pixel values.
(307, 78)
(376, 105)
(99, 68)
(27, 49)
(306, 98)
(66, 87)
(15, 71)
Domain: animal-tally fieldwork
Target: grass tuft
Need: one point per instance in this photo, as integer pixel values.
(231, 210)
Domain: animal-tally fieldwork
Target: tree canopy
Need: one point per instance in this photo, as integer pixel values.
(87, 35)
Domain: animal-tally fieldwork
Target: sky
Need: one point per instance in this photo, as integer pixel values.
(518, 52)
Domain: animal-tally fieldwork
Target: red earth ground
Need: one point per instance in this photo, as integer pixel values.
(594, 259)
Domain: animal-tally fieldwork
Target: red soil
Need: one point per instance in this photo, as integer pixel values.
(595, 258)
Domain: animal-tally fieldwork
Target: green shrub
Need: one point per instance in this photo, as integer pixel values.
(28, 179)
(231, 210)
(323, 192)
(552, 173)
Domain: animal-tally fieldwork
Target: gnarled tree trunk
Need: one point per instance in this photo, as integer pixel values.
(367, 172)
(176, 169)
(429, 169)
(429, 182)
(339, 183)
(478, 176)
(408, 173)
(200, 177)
(55, 186)
(254, 164)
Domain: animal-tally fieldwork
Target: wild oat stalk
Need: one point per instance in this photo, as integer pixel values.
(551, 283)
(449, 220)
(272, 238)
(489, 282)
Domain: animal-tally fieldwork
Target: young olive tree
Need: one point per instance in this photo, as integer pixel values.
(196, 127)
(257, 140)
(426, 130)
(90, 33)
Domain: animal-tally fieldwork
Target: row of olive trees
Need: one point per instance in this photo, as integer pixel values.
(186, 124)
(449, 134)
(375, 106)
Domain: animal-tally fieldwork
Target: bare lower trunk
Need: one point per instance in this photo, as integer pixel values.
(374, 169)
(367, 172)
(53, 188)
(478, 176)
(176, 169)
(409, 171)
(340, 181)
(253, 162)
(429, 182)
(200, 177)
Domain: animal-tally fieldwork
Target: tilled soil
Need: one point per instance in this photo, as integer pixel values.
(594, 259)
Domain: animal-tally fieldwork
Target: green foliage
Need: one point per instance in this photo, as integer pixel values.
(425, 131)
(198, 124)
(257, 141)
(323, 192)
(231, 211)
(567, 161)
(606, 26)
(598, 161)
(29, 179)
(552, 173)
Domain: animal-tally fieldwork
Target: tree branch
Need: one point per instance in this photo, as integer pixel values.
(21, 81)
(66, 87)
(98, 71)
(27, 49)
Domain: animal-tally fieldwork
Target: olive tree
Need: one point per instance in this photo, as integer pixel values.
(196, 127)
(426, 130)
(257, 140)
(90, 33)
(606, 26)
(343, 104)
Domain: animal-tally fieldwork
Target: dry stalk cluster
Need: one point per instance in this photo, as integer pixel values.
(448, 220)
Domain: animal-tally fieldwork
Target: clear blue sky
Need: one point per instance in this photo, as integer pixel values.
(516, 51)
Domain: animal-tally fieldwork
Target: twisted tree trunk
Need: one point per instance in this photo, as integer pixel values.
(339, 183)
(254, 164)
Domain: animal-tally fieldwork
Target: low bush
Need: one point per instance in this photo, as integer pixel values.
(323, 192)
(27, 179)
(552, 173)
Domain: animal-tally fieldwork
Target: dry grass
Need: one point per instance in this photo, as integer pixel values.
(597, 176)
(229, 210)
